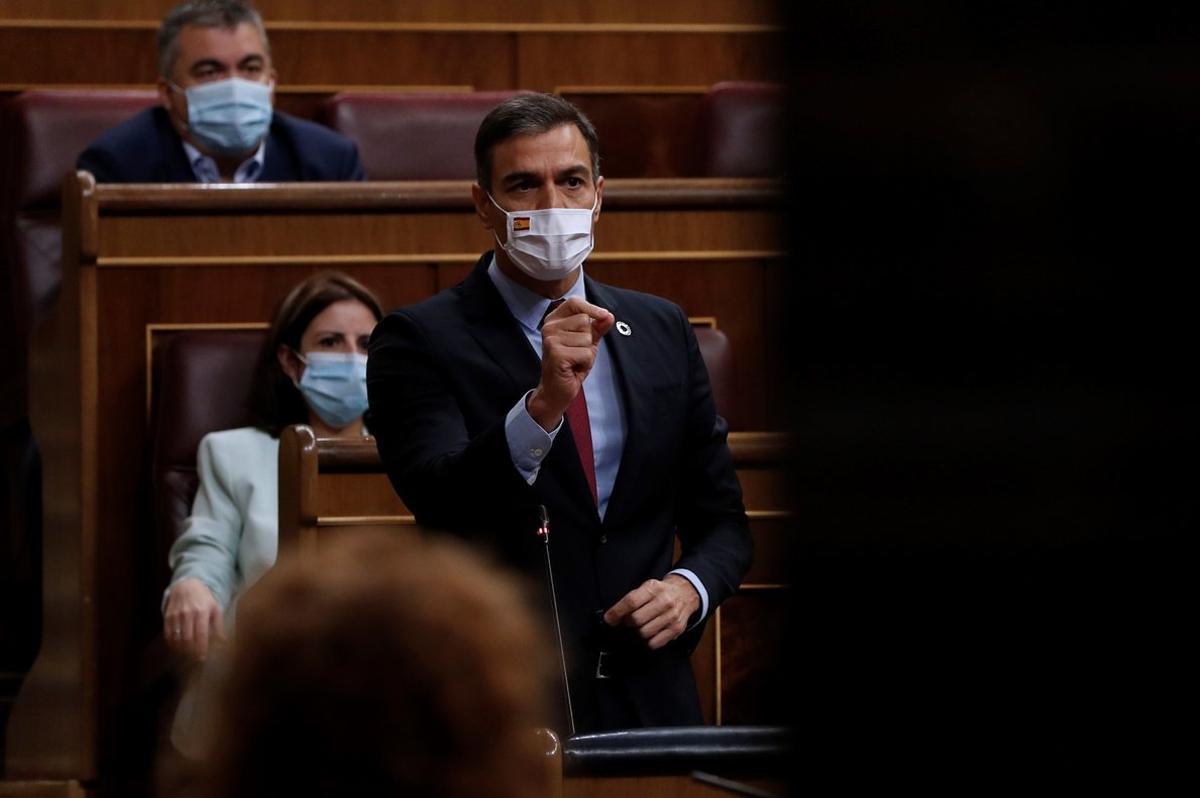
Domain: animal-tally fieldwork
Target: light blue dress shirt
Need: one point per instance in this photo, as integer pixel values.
(206, 171)
(529, 444)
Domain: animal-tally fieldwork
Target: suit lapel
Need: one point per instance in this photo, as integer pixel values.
(173, 166)
(278, 166)
(499, 335)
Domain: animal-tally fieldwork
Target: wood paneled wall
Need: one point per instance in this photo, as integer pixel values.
(326, 56)
(592, 11)
(321, 46)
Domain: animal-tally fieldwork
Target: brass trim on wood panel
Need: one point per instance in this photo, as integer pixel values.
(381, 196)
(769, 515)
(527, 27)
(290, 88)
(365, 520)
(41, 788)
(760, 587)
(632, 89)
(157, 327)
(89, 489)
(167, 261)
(80, 24)
(16, 87)
(397, 88)
(759, 447)
(386, 195)
(84, 185)
(417, 27)
(703, 321)
(717, 648)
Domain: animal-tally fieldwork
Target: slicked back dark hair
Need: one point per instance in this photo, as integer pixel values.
(524, 115)
(225, 14)
(275, 402)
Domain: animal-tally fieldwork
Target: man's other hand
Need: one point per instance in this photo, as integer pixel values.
(658, 609)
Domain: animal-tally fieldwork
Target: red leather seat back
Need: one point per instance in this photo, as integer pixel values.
(202, 384)
(643, 133)
(718, 359)
(43, 133)
(412, 135)
(46, 131)
(741, 130)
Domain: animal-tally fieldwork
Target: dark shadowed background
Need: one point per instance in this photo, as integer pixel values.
(992, 334)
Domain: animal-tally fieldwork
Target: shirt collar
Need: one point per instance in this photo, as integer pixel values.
(528, 307)
(205, 168)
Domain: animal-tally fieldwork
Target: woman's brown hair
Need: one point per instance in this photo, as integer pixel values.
(275, 402)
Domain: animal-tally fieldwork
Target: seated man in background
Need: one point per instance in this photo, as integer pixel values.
(216, 121)
(388, 667)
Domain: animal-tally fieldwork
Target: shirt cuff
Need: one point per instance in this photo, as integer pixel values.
(528, 443)
(696, 583)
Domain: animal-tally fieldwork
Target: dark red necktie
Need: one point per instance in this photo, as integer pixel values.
(581, 428)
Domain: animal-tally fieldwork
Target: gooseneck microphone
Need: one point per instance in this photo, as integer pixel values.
(543, 532)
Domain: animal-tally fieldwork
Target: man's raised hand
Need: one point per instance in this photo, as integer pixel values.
(570, 338)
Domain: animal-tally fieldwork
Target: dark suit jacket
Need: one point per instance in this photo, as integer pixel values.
(146, 149)
(443, 374)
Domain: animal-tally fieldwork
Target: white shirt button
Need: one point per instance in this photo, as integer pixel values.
(536, 452)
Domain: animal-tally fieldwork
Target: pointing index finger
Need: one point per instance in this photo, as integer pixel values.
(601, 319)
(577, 305)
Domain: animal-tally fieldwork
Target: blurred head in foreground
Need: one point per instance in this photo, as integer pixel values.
(383, 666)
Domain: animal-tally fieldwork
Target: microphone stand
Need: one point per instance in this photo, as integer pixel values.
(543, 532)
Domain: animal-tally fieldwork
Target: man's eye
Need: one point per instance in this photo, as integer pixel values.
(575, 182)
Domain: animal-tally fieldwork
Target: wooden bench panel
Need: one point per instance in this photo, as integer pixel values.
(738, 654)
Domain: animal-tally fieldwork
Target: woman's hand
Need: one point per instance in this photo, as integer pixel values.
(192, 618)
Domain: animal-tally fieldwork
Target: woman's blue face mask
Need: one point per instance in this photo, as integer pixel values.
(334, 385)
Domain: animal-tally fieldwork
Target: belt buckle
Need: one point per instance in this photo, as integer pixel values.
(601, 671)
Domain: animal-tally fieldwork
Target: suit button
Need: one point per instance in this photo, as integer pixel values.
(536, 452)
(604, 538)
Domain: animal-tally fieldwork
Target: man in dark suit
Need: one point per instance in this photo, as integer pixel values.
(216, 120)
(613, 432)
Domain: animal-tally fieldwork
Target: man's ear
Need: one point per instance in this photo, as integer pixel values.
(175, 103)
(483, 205)
(289, 363)
(599, 198)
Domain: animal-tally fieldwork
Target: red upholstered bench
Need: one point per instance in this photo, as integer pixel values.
(740, 125)
(412, 135)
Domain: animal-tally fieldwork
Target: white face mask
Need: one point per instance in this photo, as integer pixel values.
(548, 244)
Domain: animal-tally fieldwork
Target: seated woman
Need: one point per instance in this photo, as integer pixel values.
(311, 370)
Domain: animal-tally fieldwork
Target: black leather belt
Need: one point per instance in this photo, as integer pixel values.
(619, 650)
